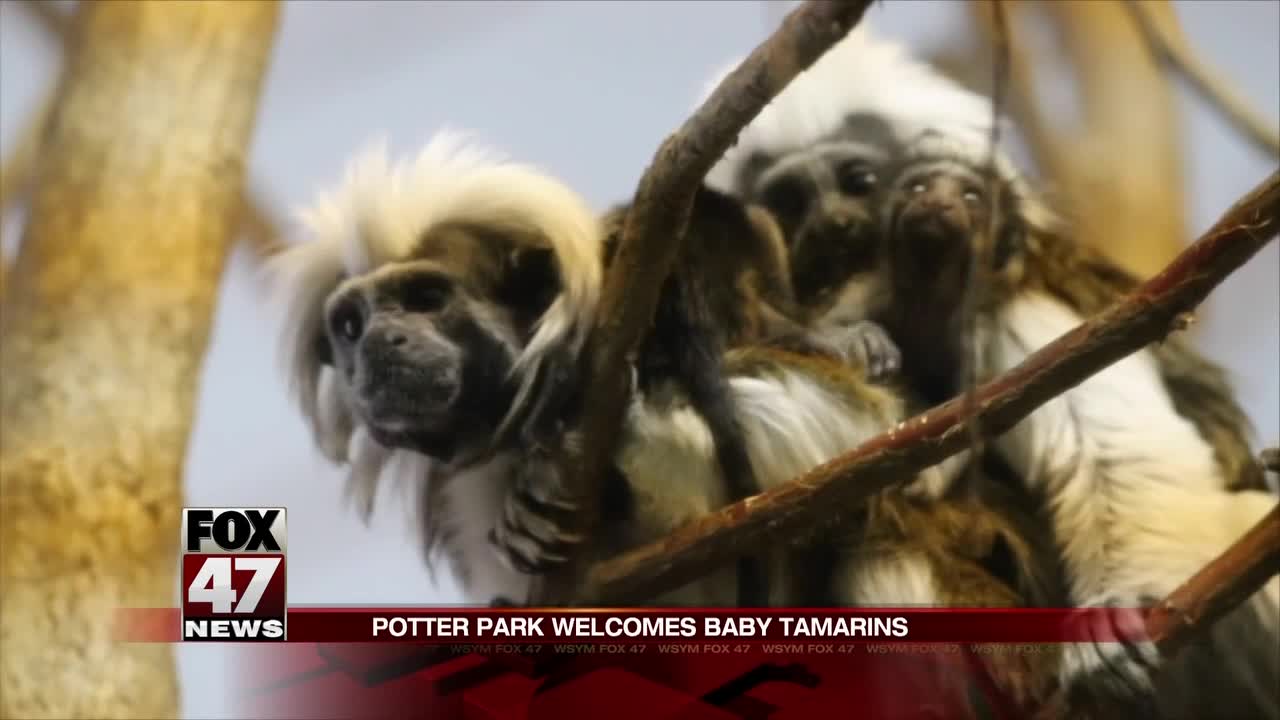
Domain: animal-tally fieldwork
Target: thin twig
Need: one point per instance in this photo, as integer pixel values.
(1042, 137)
(655, 226)
(1134, 210)
(976, 281)
(1169, 45)
(1145, 316)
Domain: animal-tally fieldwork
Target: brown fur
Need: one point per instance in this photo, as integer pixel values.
(984, 541)
(744, 277)
(986, 548)
(730, 286)
(837, 377)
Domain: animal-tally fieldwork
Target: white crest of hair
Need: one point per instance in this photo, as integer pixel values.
(862, 73)
(1135, 496)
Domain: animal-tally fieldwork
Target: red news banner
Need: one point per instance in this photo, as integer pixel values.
(668, 664)
(528, 664)
(467, 626)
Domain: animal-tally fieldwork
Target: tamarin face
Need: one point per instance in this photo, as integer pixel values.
(425, 347)
(938, 212)
(827, 197)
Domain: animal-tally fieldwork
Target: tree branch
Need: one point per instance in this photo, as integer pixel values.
(107, 315)
(655, 226)
(1218, 588)
(258, 224)
(788, 511)
(1169, 45)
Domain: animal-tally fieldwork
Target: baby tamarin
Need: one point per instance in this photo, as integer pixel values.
(729, 286)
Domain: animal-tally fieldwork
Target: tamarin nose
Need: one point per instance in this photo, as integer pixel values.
(939, 201)
(835, 212)
(398, 339)
(931, 197)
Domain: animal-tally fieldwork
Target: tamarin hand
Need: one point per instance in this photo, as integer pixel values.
(529, 535)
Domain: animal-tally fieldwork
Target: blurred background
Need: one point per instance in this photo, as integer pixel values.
(586, 90)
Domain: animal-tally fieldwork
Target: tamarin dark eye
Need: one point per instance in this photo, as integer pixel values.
(856, 179)
(787, 196)
(347, 321)
(425, 293)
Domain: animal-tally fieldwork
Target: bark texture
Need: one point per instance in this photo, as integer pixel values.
(106, 319)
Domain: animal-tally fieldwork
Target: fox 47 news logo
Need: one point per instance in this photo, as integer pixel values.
(233, 574)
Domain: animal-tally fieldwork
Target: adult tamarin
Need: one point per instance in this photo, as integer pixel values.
(429, 301)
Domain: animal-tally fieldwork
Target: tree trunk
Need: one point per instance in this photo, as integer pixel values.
(106, 318)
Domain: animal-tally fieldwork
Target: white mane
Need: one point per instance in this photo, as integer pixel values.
(863, 73)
